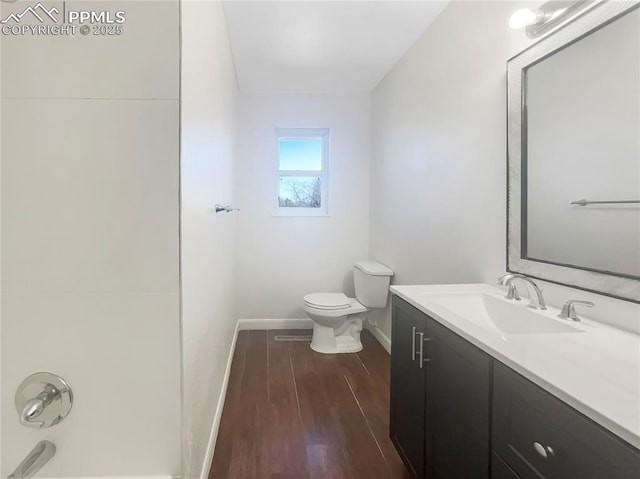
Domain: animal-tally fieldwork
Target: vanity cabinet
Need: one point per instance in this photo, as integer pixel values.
(500, 470)
(408, 386)
(457, 413)
(539, 436)
(440, 398)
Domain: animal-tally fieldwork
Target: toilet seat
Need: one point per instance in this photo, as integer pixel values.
(329, 314)
(327, 301)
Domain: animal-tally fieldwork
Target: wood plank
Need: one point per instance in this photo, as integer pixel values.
(222, 456)
(286, 446)
(320, 392)
(327, 462)
(370, 388)
(242, 454)
(331, 414)
(293, 413)
(376, 359)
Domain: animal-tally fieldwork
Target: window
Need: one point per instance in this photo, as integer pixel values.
(302, 171)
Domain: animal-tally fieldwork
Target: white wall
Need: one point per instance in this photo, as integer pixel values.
(208, 239)
(280, 259)
(90, 284)
(438, 164)
(0, 249)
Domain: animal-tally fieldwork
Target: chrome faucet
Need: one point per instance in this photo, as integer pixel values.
(536, 300)
(569, 309)
(35, 460)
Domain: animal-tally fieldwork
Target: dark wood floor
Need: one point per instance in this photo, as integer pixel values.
(292, 413)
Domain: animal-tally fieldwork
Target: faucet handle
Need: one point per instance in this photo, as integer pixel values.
(512, 293)
(569, 309)
(43, 400)
(29, 415)
(507, 280)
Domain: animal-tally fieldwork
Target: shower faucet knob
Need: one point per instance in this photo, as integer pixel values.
(43, 400)
(30, 413)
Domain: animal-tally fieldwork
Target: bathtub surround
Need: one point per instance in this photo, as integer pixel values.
(208, 249)
(90, 285)
(280, 259)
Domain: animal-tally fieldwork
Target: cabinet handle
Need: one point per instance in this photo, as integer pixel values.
(543, 451)
(421, 352)
(413, 343)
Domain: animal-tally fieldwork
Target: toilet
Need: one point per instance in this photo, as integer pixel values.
(337, 319)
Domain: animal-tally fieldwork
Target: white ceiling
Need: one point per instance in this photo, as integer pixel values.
(322, 46)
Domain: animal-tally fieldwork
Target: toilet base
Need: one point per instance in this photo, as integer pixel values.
(326, 341)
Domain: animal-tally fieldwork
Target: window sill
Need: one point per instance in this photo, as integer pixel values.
(300, 214)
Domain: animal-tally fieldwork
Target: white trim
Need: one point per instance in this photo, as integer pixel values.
(303, 133)
(384, 341)
(262, 324)
(165, 476)
(215, 426)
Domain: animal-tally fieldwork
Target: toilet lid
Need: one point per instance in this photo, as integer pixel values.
(327, 300)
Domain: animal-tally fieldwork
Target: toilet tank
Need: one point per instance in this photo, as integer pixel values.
(371, 280)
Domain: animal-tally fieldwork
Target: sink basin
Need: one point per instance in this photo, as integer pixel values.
(507, 317)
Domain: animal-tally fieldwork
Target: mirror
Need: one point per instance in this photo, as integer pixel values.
(574, 154)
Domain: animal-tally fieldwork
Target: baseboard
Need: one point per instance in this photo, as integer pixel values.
(215, 426)
(262, 324)
(381, 337)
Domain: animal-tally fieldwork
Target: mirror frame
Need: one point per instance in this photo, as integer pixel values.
(601, 282)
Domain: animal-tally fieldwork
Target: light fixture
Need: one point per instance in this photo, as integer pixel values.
(550, 16)
(525, 17)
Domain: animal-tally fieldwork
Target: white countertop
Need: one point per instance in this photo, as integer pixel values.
(597, 371)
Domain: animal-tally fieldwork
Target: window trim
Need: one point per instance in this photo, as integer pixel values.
(297, 134)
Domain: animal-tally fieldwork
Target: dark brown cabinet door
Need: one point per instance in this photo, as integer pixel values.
(408, 385)
(440, 398)
(458, 407)
(540, 436)
(500, 470)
